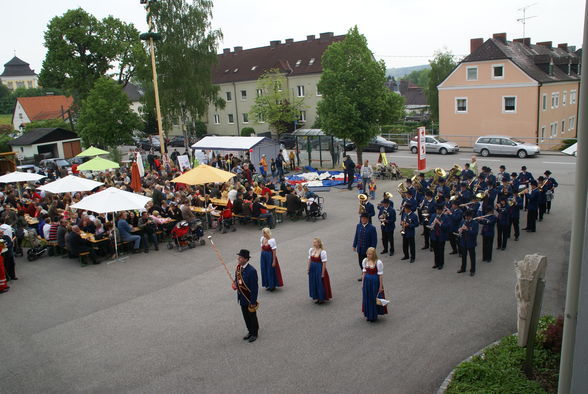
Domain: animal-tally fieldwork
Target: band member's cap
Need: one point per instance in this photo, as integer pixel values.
(244, 253)
(469, 213)
(422, 174)
(440, 206)
(463, 184)
(534, 183)
(513, 174)
(364, 215)
(385, 201)
(547, 173)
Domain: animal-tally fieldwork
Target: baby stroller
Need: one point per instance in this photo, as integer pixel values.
(183, 237)
(38, 246)
(314, 208)
(225, 221)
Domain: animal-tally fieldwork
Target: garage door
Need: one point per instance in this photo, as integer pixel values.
(71, 149)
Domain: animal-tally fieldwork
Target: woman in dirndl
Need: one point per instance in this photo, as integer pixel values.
(3, 282)
(372, 286)
(271, 275)
(319, 284)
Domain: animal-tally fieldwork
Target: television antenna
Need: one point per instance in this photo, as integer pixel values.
(523, 20)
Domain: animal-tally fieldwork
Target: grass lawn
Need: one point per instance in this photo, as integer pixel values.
(6, 119)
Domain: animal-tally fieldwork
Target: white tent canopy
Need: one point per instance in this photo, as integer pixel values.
(256, 146)
(19, 176)
(112, 200)
(70, 184)
(571, 150)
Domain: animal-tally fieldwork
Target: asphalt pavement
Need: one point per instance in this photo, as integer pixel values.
(169, 322)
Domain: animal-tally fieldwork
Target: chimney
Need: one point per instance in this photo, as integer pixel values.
(500, 37)
(563, 46)
(547, 44)
(238, 49)
(226, 50)
(325, 36)
(275, 43)
(572, 48)
(475, 43)
(289, 40)
(310, 38)
(524, 41)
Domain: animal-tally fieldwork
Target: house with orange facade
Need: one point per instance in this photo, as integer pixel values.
(512, 88)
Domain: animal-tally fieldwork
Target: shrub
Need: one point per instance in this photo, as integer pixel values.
(567, 143)
(247, 131)
(553, 336)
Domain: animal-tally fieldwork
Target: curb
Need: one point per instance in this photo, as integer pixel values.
(443, 388)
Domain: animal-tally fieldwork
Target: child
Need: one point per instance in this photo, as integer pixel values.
(359, 186)
(372, 188)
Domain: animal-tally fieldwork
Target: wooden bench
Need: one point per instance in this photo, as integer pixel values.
(81, 256)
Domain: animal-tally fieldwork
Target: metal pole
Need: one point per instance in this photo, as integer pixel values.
(155, 87)
(578, 229)
(532, 334)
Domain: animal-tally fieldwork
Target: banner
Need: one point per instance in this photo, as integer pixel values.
(184, 162)
(422, 150)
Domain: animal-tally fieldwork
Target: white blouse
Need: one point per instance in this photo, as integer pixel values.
(323, 254)
(379, 265)
(271, 242)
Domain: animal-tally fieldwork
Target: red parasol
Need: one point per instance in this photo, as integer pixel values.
(135, 177)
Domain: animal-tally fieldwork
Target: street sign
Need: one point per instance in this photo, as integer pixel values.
(422, 150)
(20, 156)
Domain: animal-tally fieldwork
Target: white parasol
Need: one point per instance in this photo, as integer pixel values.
(70, 184)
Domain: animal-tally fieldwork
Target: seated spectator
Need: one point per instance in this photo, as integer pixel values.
(79, 245)
(126, 232)
(259, 210)
(148, 231)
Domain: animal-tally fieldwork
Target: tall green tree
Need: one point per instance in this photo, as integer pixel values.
(419, 77)
(276, 105)
(81, 49)
(49, 123)
(355, 100)
(8, 99)
(185, 55)
(106, 119)
(441, 66)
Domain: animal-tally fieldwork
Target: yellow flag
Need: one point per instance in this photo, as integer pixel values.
(384, 158)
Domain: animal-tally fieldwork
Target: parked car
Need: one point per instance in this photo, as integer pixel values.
(177, 141)
(151, 142)
(434, 144)
(28, 168)
(504, 145)
(288, 140)
(78, 160)
(54, 164)
(375, 145)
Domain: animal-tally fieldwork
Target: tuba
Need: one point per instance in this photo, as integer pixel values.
(383, 217)
(401, 188)
(362, 199)
(416, 182)
(388, 195)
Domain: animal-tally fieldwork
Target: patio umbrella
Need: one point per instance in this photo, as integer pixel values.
(70, 184)
(204, 174)
(19, 176)
(135, 177)
(98, 164)
(139, 161)
(112, 200)
(92, 151)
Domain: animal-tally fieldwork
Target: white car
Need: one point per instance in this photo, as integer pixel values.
(434, 144)
(504, 145)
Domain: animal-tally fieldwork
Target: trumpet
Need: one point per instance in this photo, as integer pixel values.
(468, 203)
(482, 195)
(524, 191)
(383, 217)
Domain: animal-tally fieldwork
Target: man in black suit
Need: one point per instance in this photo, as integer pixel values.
(79, 245)
(247, 288)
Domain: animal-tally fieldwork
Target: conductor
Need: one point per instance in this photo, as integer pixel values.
(246, 286)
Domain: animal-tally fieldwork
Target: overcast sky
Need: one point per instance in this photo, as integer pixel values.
(401, 32)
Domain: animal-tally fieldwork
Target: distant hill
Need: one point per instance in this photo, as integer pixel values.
(400, 72)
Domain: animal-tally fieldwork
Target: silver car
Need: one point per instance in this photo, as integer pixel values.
(504, 145)
(434, 144)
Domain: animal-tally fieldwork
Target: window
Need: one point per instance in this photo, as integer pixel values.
(303, 116)
(472, 73)
(231, 119)
(554, 100)
(544, 104)
(564, 97)
(495, 141)
(235, 70)
(229, 96)
(253, 68)
(216, 119)
(553, 130)
(278, 86)
(573, 97)
(563, 126)
(30, 84)
(298, 62)
(542, 133)
(245, 117)
(243, 95)
(461, 105)
(507, 142)
(509, 104)
(300, 90)
(571, 123)
(259, 92)
(484, 141)
(261, 118)
(311, 61)
(498, 71)
(318, 92)
(20, 84)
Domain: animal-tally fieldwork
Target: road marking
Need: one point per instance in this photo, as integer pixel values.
(558, 162)
(480, 160)
(403, 157)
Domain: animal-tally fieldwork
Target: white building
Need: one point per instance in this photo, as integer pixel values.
(17, 74)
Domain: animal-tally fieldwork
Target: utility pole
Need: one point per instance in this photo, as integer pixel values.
(150, 36)
(523, 20)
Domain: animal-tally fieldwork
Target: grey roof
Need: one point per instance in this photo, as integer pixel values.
(533, 59)
(133, 92)
(41, 135)
(17, 68)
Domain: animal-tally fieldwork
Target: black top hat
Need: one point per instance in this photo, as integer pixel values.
(547, 173)
(385, 201)
(244, 253)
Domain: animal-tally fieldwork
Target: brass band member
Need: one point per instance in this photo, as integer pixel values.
(365, 206)
(468, 234)
(387, 216)
(408, 221)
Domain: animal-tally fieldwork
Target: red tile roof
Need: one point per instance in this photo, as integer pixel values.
(293, 58)
(45, 107)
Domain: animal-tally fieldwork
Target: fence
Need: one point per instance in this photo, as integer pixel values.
(547, 143)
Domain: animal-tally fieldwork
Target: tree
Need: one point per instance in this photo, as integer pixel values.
(7, 102)
(81, 49)
(247, 131)
(441, 66)
(185, 55)
(49, 123)
(276, 105)
(419, 77)
(106, 119)
(355, 100)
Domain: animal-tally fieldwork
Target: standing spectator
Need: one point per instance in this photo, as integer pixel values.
(349, 173)
(280, 164)
(366, 173)
(291, 157)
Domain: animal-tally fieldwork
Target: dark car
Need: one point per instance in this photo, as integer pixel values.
(375, 145)
(152, 142)
(288, 140)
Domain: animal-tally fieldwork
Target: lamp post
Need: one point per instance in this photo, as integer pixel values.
(151, 37)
